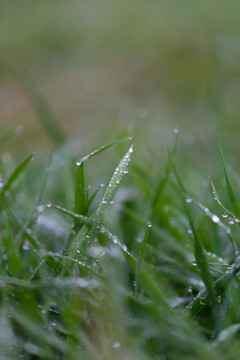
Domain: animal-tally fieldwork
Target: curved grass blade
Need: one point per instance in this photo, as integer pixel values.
(230, 190)
(228, 212)
(141, 259)
(113, 185)
(80, 193)
(102, 148)
(148, 284)
(16, 173)
(200, 256)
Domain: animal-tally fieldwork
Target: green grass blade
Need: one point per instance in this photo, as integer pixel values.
(114, 183)
(80, 193)
(141, 259)
(200, 256)
(103, 148)
(16, 173)
(230, 190)
(217, 198)
(148, 284)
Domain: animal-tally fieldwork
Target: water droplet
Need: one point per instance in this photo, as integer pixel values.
(176, 131)
(131, 149)
(231, 222)
(194, 262)
(126, 171)
(48, 205)
(220, 259)
(102, 185)
(224, 215)
(190, 289)
(215, 219)
(124, 247)
(149, 224)
(79, 162)
(78, 251)
(53, 324)
(115, 239)
(104, 201)
(130, 138)
(40, 208)
(116, 345)
(188, 200)
(111, 202)
(190, 232)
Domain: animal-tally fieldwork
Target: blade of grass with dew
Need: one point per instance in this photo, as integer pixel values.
(213, 217)
(141, 259)
(163, 181)
(81, 203)
(16, 173)
(159, 189)
(148, 284)
(14, 262)
(217, 198)
(111, 190)
(200, 255)
(230, 190)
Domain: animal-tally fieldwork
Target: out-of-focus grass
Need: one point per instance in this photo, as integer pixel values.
(100, 65)
(82, 278)
(147, 266)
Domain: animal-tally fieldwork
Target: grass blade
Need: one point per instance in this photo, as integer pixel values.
(113, 185)
(80, 194)
(200, 256)
(16, 173)
(230, 190)
(141, 258)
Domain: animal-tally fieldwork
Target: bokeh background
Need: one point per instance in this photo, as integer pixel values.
(104, 66)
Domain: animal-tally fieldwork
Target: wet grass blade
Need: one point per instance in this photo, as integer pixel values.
(113, 185)
(80, 193)
(200, 256)
(103, 148)
(230, 190)
(148, 284)
(141, 259)
(229, 213)
(16, 173)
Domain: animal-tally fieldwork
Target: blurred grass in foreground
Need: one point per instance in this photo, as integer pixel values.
(140, 270)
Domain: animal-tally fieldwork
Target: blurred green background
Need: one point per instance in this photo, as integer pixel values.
(103, 65)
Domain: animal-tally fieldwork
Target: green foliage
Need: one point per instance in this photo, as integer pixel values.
(117, 275)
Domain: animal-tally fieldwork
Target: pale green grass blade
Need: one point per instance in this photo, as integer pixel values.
(141, 259)
(103, 148)
(148, 284)
(217, 198)
(80, 193)
(200, 255)
(16, 173)
(114, 183)
(230, 190)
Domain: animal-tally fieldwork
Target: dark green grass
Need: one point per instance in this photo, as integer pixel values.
(136, 269)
